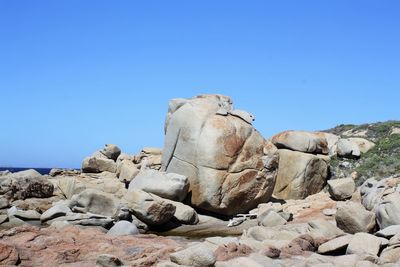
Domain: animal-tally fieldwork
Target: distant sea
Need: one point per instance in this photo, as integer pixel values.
(40, 170)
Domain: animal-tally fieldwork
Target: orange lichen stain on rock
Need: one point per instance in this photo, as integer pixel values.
(232, 144)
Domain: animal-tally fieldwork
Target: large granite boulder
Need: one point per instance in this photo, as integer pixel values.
(220, 152)
(167, 185)
(300, 174)
(308, 142)
(25, 184)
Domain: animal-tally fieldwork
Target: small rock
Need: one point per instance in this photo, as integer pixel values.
(59, 224)
(254, 261)
(365, 264)
(123, 228)
(166, 185)
(270, 218)
(27, 215)
(352, 218)
(3, 218)
(94, 201)
(232, 250)
(8, 255)
(4, 203)
(348, 149)
(54, 212)
(197, 255)
(271, 252)
(97, 163)
(127, 171)
(389, 231)
(111, 151)
(329, 212)
(149, 209)
(388, 211)
(168, 264)
(335, 244)
(300, 244)
(106, 260)
(363, 144)
(141, 226)
(324, 228)
(341, 189)
(363, 243)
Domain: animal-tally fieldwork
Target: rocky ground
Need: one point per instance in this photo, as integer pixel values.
(217, 194)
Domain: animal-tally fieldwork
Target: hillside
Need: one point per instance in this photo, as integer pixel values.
(381, 161)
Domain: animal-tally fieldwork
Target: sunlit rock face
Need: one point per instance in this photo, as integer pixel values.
(230, 166)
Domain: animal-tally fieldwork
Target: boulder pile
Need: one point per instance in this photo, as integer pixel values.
(241, 199)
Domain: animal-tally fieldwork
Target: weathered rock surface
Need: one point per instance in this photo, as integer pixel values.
(348, 149)
(391, 254)
(83, 219)
(126, 171)
(301, 244)
(98, 163)
(166, 185)
(322, 228)
(111, 151)
(307, 142)
(94, 201)
(149, 208)
(107, 260)
(184, 213)
(335, 244)
(196, 255)
(363, 144)
(221, 154)
(26, 215)
(372, 192)
(25, 184)
(382, 197)
(149, 158)
(270, 218)
(106, 182)
(363, 243)
(300, 174)
(231, 250)
(341, 189)
(73, 246)
(389, 231)
(123, 228)
(57, 210)
(388, 211)
(352, 218)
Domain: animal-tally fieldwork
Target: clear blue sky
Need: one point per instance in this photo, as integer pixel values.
(75, 75)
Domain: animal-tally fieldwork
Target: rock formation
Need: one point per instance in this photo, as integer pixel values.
(220, 152)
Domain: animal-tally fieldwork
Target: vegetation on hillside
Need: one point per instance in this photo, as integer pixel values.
(381, 161)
